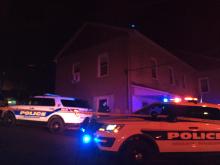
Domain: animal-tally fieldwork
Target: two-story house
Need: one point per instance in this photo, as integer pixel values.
(120, 70)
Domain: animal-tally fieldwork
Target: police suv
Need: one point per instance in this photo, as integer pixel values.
(54, 111)
(137, 138)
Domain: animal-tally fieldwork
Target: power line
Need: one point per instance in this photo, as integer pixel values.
(150, 67)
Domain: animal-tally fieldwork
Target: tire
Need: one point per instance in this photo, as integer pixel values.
(56, 125)
(137, 151)
(9, 119)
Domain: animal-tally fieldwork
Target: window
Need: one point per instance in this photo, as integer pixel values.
(186, 111)
(41, 102)
(76, 73)
(104, 103)
(153, 64)
(184, 81)
(171, 75)
(103, 65)
(155, 108)
(201, 112)
(204, 85)
(75, 103)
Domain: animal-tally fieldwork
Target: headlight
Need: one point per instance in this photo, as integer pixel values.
(111, 128)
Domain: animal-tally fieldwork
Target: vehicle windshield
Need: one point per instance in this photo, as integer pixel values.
(190, 111)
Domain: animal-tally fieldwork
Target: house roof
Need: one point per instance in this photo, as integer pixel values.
(200, 62)
(91, 34)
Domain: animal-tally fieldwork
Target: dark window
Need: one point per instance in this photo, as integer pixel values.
(42, 102)
(104, 68)
(156, 108)
(171, 76)
(204, 85)
(175, 110)
(75, 103)
(153, 68)
(103, 65)
(76, 68)
(103, 106)
(202, 113)
(184, 81)
(76, 73)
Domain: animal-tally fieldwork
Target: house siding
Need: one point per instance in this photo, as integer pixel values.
(129, 83)
(142, 51)
(213, 96)
(90, 84)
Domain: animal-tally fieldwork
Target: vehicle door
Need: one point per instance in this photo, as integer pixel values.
(181, 131)
(174, 134)
(178, 136)
(187, 128)
(79, 109)
(36, 109)
(208, 128)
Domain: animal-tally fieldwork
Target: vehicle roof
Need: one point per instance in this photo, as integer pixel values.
(59, 97)
(197, 104)
(204, 104)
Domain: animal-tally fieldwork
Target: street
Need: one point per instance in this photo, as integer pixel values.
(22, 145)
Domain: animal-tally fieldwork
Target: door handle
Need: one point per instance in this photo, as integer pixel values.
(193, 127)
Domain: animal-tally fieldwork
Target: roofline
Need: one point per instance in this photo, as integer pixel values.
(72, 39)
(163, 49)
(61, 97)
(109, 26)
(129, 31)
(68, 43)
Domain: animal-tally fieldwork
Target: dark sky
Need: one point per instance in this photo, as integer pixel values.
(33, 31)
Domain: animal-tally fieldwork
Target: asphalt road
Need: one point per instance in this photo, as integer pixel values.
(33, 145)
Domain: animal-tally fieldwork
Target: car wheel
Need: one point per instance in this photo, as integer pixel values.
(137, 152)
(9, 119)
(56, 125)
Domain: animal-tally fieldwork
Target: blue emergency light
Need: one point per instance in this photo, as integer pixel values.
(86, 138)
(165, 100)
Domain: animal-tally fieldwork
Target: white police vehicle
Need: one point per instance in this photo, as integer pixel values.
(54, 111)
(193, 108)
(137, 138)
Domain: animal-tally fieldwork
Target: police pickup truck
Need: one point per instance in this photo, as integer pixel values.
(137, 138)
(56, 112)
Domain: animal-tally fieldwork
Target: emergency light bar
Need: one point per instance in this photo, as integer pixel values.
(179, 99)
(190, 99)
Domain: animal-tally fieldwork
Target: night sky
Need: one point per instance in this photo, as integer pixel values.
(34, 31)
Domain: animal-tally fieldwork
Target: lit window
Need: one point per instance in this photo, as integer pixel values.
(171, 75)
(204, 85)
(76, 73)
(103, 105)
(103, 65)
(153, 68)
